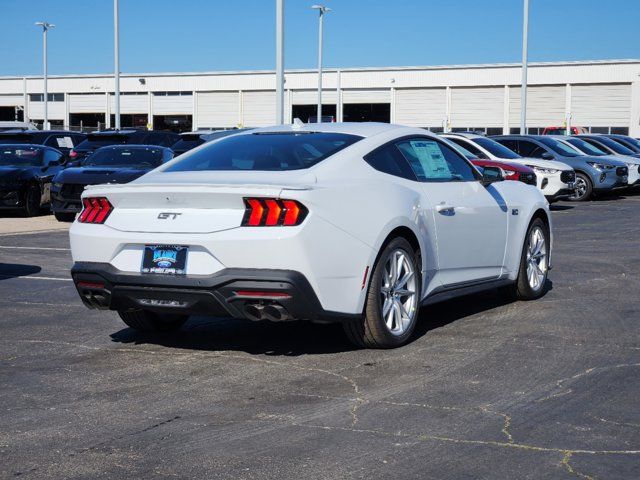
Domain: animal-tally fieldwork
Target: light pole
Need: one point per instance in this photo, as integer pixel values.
(321, 11)
(45, 28)
(525, 51)
(116, 55)
(279, 62)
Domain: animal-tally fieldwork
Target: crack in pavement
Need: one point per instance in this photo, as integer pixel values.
(565, 463)
(588, 371)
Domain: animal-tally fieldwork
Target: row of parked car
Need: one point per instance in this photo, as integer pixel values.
(51, 168)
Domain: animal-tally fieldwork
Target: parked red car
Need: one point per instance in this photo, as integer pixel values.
(563, 130)
(511, 171)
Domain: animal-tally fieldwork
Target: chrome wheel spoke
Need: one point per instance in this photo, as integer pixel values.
(398, 292)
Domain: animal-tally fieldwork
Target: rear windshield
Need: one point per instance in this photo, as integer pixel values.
(20, 156)
(17, 138)
(264, 151)
(125, 157)
(559, 147)
(97, 141)
(496, 148)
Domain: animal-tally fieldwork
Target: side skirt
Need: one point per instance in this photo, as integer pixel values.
(441, 294)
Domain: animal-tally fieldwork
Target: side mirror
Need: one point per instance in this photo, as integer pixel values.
(490, 175)
(547, 156)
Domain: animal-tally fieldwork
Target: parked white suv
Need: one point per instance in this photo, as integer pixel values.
(359, 223)
(555, 179)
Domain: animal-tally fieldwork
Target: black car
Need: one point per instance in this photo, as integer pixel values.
(25, 176)
(61, 140)
(192, 140)
(112, 164)
(122, 137)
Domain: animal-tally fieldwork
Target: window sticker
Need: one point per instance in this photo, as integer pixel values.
(431, 158)
(64, 142)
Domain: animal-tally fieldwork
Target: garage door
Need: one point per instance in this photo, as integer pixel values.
(133, 103)
(259, 108)
(545, 106)
(477, 107)
(172, 105)
(87, 103)
(421, 107)
(217, 110)
(310, 97)
(601, 105)
(382, 95)
(11, 101)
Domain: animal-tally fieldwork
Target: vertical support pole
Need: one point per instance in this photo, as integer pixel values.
(525, 51)
(279, 62)
(116, 54)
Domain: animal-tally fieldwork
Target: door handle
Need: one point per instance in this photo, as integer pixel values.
(445, 209)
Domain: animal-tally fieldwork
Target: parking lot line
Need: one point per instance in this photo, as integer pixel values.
(12, 247)
(31, 277)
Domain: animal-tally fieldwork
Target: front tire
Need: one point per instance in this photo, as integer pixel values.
(393, 299)
(534, 262)
(32, 201)
(146, 321)
(583, 188)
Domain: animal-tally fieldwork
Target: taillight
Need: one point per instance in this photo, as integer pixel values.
(73, 154)
(96, 210)
(273, 212)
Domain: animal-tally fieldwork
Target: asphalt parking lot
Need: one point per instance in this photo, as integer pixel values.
(487, 389)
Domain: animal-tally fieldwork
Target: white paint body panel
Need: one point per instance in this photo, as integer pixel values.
(352, 210)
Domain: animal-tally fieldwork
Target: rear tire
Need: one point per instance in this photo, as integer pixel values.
(64, 217)
(393, 299)
(534, 263)
(584, 188)
(146, 321)
(32, 201)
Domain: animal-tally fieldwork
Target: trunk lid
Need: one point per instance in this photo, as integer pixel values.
(185, 207)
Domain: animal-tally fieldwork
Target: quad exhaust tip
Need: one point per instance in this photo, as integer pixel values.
(272, 312)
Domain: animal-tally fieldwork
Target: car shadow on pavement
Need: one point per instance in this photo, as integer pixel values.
(13, 270)
(298, 338)
(560, 208)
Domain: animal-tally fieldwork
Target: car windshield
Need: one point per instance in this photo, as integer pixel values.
(125, 157)
(496, 149)
(264, 151)
(586, 147)
(630, 142)
(559, 147)
(613, 145)
(97, 141)
(20, 156)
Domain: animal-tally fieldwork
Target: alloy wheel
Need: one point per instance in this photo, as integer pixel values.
(537, 264)
(581, 188)
(398, 292)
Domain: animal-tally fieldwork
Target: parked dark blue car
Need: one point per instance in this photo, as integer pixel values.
(25, 176)
(112, 164)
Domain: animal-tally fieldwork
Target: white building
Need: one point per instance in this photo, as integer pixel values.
(601, 95)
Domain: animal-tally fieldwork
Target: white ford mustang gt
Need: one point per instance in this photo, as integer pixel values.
(359, 223)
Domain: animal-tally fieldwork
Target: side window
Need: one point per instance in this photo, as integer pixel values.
(388, 159)
(530, 149)
(470, 147)
(433, 161)
(510, 144)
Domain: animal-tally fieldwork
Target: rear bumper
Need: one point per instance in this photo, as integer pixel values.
(223, 294)
(60, 204)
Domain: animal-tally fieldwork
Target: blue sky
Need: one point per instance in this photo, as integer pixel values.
(205, 35)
